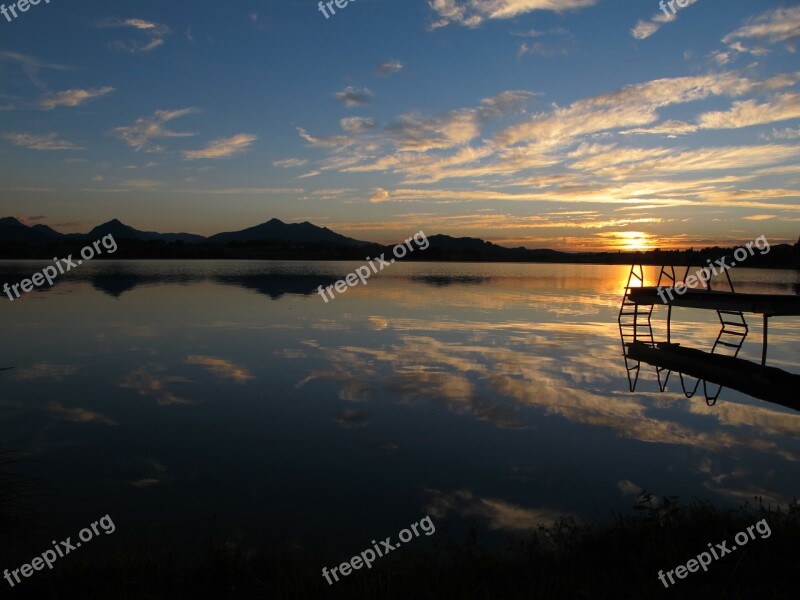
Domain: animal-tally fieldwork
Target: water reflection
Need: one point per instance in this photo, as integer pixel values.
(481, 392)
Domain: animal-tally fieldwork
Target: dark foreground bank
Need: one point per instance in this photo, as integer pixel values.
(618, 558)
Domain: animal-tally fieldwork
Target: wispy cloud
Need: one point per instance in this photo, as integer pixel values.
(553, 42)
(45, 370)
(358, 124)
(154, 34)
(389, 67)
(776, 26)
(31, 66)
(221, 367)
(749, 112)
(645, 28)
(289, 163)
(73, 97)
(140, 184)
(49, 141)
(353, 97)
(783, 134)
(472, 13)
(773, 26)
(223, 147)
(246, 191)
(145, 129)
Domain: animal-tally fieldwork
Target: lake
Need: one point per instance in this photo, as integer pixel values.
(227, 399)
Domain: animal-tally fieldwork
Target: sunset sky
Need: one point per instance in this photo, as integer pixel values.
(568, 124)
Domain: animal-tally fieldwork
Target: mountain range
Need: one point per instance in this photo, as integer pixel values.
(274, 230)
(277, 240)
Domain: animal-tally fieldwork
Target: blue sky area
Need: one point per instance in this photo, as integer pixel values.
(570, 124)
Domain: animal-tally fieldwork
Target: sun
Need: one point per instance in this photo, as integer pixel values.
(634, 241)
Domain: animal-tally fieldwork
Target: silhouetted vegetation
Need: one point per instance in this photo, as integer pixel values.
(617, 558)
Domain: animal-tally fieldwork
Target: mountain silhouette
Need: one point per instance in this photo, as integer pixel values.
(120, 231)
(12, 230)
(276, 230)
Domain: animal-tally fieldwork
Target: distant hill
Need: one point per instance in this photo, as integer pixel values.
(48, 231)
(276, 230)
(120, 231)
(276, 240)
(12, 230)
(448, 248)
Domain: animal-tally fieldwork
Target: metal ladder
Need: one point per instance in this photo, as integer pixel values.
(632, 319)
(733, 331)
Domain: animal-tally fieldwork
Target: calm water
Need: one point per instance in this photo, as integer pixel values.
(227, 399)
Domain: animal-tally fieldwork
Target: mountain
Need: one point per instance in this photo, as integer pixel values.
(276, 230)
(48, 231)
(447, 247)
(120, 231)
(12, 230)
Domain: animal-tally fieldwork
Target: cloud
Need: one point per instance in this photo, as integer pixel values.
(774, 26)
(670, 129)
(31, 66)
(153, 32)
(379, 195)
(574, 143)
(358, 124)
(45, 370)
(419, 133)
(553, 42)
(221, 367)
(48, 141)
(74, 97)
(140, 184)
(499, 514)
(289, 163)
(785, 134)
(352, 97)
(148, 381)
(223, 147)
(145, 129)
(472, 13)
(236, 191)
(79, 415)
(631, 106)
(389, 67)
(644, 29)
(352, 417)
(748, 112)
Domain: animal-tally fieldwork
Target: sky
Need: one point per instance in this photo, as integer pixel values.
(565, 124)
